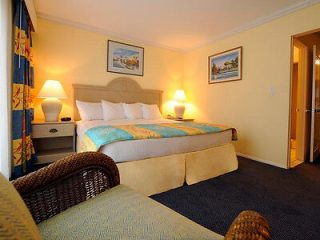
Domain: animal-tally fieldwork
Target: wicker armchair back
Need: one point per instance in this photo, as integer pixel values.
(249, 225)
(66, 182)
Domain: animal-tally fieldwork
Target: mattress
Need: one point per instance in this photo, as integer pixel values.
(149, 148)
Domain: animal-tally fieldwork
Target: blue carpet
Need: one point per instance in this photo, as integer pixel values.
(289, 199)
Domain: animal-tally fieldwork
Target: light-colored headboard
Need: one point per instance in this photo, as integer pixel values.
(118, 90)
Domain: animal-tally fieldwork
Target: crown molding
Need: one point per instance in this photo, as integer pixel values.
(258, 22)
(109, 34)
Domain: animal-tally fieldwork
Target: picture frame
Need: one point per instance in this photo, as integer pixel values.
(225, 66)
(125, 58)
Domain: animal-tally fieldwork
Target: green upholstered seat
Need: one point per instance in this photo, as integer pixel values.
(121, 213)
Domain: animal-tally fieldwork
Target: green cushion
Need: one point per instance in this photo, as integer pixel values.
(16, 221)
(121, 213)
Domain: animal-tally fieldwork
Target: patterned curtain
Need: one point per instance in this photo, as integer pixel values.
(22, 111)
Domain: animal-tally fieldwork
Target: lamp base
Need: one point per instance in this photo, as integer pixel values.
(179, 111)
(51, 108)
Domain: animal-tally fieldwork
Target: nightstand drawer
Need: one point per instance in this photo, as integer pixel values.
(52, 130)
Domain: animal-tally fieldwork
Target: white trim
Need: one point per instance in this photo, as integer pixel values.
(259, 21)
(262, 20)
(262, 160)
(110, 34)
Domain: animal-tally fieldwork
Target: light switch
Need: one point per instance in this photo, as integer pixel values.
(272, 91)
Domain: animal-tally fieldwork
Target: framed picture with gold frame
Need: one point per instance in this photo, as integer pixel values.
(225, 66)
(125, 58)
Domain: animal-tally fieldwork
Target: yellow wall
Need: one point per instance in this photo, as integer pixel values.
(73, 55)
(260, 117)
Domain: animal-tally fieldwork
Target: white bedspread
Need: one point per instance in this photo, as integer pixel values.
(147, 148)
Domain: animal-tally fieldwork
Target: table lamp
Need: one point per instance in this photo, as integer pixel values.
(180, 98)
(51, 91)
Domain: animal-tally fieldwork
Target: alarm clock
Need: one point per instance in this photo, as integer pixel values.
(66, 119)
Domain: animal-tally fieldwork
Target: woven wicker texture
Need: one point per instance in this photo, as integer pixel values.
(66, 183)
(249, 225)
(15, 220)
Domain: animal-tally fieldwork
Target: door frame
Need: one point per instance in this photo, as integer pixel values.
(293, 41)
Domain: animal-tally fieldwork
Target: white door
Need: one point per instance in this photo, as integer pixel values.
(315, 107)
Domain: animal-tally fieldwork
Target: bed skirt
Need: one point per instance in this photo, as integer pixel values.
(155, 175)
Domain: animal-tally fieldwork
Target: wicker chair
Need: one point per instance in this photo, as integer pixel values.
(75, 179)
(67, 182)
(249, 225)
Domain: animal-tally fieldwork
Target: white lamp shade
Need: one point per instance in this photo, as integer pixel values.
(52, 89)
(180, 96)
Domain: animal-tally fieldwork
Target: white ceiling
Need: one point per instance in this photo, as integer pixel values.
(175, 24)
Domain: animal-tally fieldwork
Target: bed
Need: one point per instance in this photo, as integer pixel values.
(152, 166)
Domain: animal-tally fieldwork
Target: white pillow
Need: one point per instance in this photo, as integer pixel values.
(112, 111)
(133, 111)
(151, 111)
(89, 111)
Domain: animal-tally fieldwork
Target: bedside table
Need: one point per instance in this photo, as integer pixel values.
(53, 140)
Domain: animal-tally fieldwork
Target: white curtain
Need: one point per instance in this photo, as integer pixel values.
(5, 85)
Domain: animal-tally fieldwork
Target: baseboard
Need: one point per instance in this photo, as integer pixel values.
(262, 160)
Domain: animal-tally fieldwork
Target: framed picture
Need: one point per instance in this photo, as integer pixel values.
(124, 58)
(225, 66)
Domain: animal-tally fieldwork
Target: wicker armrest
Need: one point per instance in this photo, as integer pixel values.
(66, 182)
(249, 225)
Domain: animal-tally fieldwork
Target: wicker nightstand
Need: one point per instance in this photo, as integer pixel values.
(53, 140)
